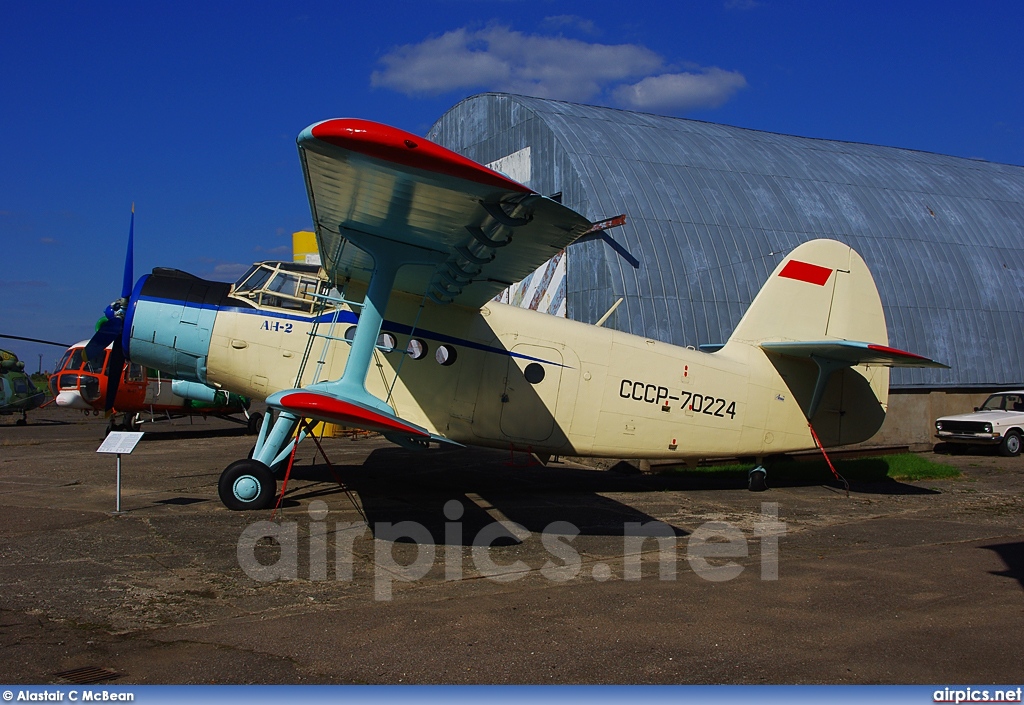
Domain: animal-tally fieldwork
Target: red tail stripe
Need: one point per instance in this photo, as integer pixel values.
(806, 272)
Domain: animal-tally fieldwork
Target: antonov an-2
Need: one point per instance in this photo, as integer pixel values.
(400, 333)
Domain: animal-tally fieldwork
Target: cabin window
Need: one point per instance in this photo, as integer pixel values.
(416, 349)
(534, 373)
(386, 342)
(445, 355)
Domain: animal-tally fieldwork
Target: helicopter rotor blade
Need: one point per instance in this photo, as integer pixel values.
(36, 340)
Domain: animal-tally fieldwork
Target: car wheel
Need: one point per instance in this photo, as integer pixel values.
(1010, 447)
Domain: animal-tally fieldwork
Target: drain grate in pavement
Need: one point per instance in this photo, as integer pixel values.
(87, 675)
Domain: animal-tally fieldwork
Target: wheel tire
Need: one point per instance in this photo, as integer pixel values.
(254, 423)
(130, 424)
(247, 484)
(757, 480)
(1010, 447)
(21, 422)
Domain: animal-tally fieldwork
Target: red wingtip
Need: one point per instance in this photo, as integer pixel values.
(404, 148)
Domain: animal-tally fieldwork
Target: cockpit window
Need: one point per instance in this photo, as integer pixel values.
(63, 360)
(254, 280)
(96, 365)
(284, 285)
(75, 363)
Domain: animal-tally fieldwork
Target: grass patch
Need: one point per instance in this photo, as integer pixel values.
(905, 466)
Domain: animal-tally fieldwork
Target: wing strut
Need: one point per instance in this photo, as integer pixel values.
(346, 400)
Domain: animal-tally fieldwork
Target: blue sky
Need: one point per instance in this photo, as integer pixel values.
(190, 110)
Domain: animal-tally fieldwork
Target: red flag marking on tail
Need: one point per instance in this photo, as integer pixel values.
(806, 272)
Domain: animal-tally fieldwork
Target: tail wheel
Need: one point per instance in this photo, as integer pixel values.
(247, 484)
(1010, 447)
(757, 480)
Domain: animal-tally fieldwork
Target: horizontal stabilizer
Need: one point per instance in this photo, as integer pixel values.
(849, 352)
(311, 404)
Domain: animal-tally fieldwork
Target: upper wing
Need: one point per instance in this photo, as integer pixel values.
(477, 230)
(849, 352)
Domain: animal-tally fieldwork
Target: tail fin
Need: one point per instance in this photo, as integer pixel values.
(821, 291)
(819, 321)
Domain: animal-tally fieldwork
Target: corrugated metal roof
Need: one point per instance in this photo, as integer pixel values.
(712, 209)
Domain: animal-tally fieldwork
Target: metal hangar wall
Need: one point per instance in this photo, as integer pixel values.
(712, 209)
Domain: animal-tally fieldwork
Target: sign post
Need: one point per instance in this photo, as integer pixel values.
(118, 443)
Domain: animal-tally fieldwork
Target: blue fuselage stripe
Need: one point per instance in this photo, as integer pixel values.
(350, 317)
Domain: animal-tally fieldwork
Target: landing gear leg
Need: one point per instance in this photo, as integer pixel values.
(757, 480)
(250, 483)
(23, 421)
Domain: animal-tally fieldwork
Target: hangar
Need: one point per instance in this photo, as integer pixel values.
(712, 209)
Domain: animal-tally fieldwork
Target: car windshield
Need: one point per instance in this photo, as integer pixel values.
(1003, 402)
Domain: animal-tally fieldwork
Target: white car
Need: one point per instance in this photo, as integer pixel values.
(999, 421)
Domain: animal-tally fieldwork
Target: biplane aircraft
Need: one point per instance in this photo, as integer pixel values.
(141, 395)
(400, 333)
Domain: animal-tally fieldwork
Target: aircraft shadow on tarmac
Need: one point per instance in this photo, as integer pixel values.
(864, 475)
(396, 485)
(33, 422)
(184, 434)
(1012, 554)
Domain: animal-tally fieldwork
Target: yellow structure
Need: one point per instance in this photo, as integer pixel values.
(304, 249)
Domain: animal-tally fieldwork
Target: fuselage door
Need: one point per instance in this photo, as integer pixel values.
(531, 392)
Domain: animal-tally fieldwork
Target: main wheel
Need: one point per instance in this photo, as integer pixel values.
(1010, 446)
(253, 425)
(247, 484)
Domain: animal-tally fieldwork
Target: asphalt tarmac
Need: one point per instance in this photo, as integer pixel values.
(895, 583)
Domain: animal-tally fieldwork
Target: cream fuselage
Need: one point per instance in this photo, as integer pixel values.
(603, 393)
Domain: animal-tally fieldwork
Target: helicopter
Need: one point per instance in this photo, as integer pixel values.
(18, 393)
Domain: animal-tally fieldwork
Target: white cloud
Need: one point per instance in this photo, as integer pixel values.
(709, 88)
(497, 58)
(226, 271)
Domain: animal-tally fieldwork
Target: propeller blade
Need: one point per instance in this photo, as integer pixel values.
(115, 370)
(106, 333)
(110, 328)
(129, 259)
